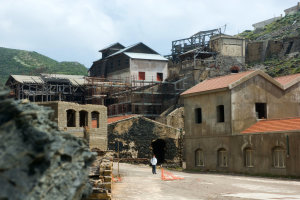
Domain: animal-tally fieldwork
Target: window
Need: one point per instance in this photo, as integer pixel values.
(220, 113)
(142, 76)
(198, 115)
(83, 118)
(95, 119)
(119, 62)
(71, 118)
(222, 158)
(199, 158)
(249, 162)
(159, 76)
(279, 157)
(261, 110)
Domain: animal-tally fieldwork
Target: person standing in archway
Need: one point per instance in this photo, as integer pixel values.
(153, 163)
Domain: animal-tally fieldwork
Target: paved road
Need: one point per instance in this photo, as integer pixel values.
(139, 183)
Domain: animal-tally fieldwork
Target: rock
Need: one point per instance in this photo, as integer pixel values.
(37, 161)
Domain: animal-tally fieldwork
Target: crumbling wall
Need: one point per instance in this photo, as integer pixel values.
(37, 161)
(136, 135)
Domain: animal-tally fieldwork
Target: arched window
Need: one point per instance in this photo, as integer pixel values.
(71, 116)
(83, 118)
(248, 157)
(199, 157)
(279, 157)
(95, 119)
(222, 158)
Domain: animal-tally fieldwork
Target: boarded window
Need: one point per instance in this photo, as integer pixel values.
(261, 110)
(249, 162)
(71, 116)
(83, 118)
(279, 157)
(159, 77)
(142, 76)
(95, 119)
(220, 113)
(199, 158)
(222, 158)
(198, 115)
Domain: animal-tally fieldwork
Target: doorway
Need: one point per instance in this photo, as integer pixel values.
(158, 148)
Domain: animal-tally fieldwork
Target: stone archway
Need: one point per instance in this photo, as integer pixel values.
(158, 149)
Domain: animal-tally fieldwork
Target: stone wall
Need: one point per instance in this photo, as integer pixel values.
(262, 146)
(136, 136)
(98, 136)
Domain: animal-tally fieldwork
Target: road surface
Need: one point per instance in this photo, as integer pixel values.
(139, 183)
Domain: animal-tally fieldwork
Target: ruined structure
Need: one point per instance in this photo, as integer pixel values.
(292, 10)
(215, 58)
(37, 161)
(73, 117)
(262, 24)
(134, 136)
(219, 112)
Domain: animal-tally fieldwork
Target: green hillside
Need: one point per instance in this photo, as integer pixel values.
(286, 27)
(13, 61)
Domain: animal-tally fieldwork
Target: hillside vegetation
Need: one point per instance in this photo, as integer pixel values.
(13, 61)
(286, 27)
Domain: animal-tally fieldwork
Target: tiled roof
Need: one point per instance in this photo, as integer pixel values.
(118, 118)
(287, 79)
(217, 83)
(275, 125)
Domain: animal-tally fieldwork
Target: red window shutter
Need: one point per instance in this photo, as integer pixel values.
(141, 75)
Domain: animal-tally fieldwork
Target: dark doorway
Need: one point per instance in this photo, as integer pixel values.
(158, 147)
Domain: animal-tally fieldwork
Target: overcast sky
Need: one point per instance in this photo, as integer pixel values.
(74, 30)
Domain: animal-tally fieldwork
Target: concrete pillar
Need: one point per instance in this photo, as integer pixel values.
(77, 118)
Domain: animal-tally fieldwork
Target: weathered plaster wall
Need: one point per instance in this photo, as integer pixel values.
(98, 136)
(260, 90)
(262, 144)
(150, 67)
(208, 103)
(136, 135)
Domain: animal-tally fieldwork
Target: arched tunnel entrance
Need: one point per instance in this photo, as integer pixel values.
(158, 148)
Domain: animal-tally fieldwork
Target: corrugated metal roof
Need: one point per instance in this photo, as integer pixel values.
(110, 46)
(28, 79)
(73, 79)
(145, 56)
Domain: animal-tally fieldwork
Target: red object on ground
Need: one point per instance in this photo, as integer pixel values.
(168, 176)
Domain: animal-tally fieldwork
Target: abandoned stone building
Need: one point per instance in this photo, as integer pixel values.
(246, 122)
(73, 117)
(135, 136)
(137, 62)
(292, 10)
(221, 52)
(262, 24)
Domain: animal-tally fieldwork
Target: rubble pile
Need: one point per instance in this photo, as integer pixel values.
(101, 177)
(37, 161)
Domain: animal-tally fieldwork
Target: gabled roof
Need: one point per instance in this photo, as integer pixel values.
(112, 45)
(233, 80)
(226, 82)
(289, 80)
(128, 48)
(275, 125)
(145, 56)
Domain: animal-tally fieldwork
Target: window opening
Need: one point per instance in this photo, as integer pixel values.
(198, 115)
(220, 113)
(261, 110)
